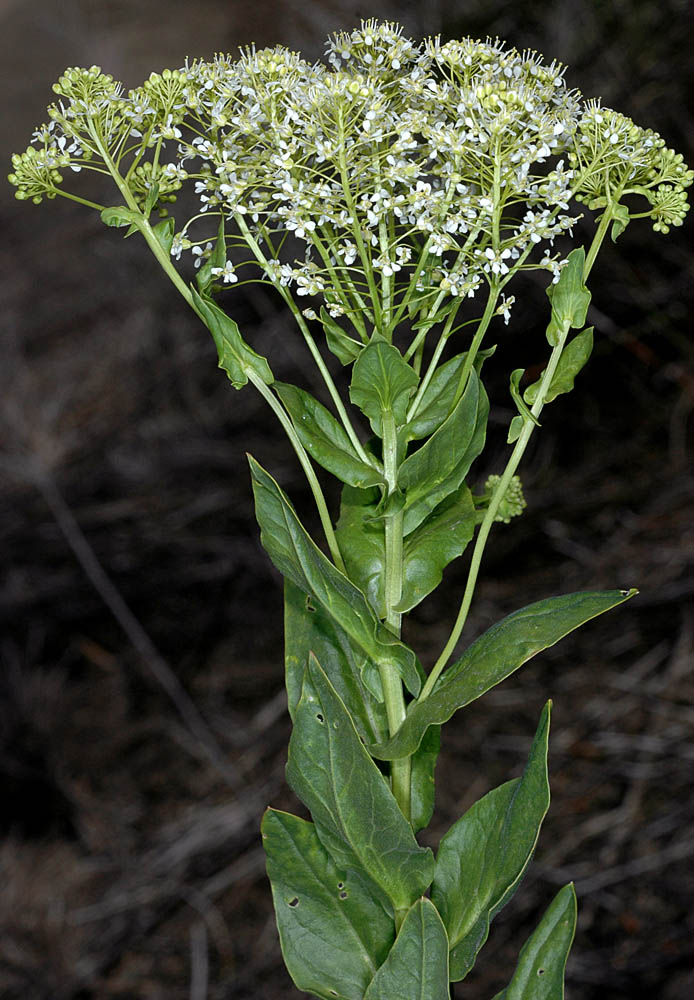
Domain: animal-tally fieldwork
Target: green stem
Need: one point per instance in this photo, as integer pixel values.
(164, 260)
(309, 472)
(600, 234)
(364, 254)
(81, 201)
(400, 770)
(477, 341)
(312, 346)
(485, 527)
(418, 341)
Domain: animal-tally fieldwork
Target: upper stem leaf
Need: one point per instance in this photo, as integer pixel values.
(325, 439)
(569, 298)
(439, 467)
(308, 628)
(417, 965)
(382, 381)
(298, 558)
(235, 356)
(483, 857)
(497, 653)
(357, 818)
(437, 399)
(539, 974)
(335, 928)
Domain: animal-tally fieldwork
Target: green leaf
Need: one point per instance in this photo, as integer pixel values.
(218, 258)
(483, 857)
(297, 557)
(164, 232)
(439, 467)
(118, 216)
(325, 439)
(361, 536)
(497, 653)
(151, 199)
(382, 381)
(573, 358)
(441, 538)
(422, 780)
(344, 347)
(357, 818)
(334, 930)
(539, 974)
(569, 297)
(438, 397)
(514, 429)
(236, 358)
(439, 318)
(523, 411)
(417, 965)
(308, 628)
(620, 214)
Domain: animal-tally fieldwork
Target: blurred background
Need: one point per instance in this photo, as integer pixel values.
(143, 727)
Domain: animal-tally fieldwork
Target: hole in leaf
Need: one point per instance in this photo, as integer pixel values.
(333, 993)
(540, 972)
(336, 725)
(340, 885)
(293, 902)
(343, 894)
(309, 605)
(320, 718)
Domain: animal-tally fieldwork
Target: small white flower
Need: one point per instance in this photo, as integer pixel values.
(227, 273)
(496, 261)
(504, 308)
(199, 253)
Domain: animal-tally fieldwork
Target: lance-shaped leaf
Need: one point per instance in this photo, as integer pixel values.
(235, 356)
(164, 232)
(573, 358)
(382, 381)
(569, 297)
(497, 653)
(422, 780)
(440, 539)
(441, 464)
(119, 216)
(483, 857)
(427, 550)
(297, 557)
(309, 629)
(417, 965)
(335, 928)
(325, 439)
(539, 974)
(218, 258)
(344, 347)
(357, 818)
(437, 400)
(620, 214)
(151, 199)
(361, 536)
(514, 387)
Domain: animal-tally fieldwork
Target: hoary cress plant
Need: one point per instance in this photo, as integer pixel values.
(390, 197)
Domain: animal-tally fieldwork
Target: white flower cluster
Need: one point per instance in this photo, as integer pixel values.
(404, 172)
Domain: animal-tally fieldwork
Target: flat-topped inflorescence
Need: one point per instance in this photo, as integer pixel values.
(406, 173)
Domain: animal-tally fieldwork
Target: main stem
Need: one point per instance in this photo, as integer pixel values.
(401, 770)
